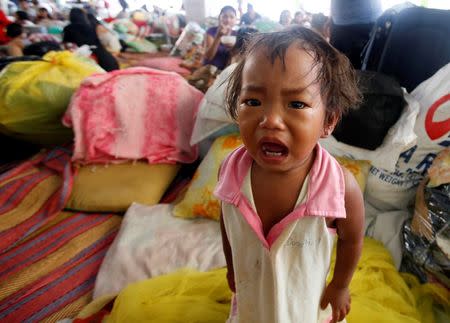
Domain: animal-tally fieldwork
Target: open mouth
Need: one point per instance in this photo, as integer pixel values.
(271, 149)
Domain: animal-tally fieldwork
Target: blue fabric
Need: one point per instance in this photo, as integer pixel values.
(351, 12)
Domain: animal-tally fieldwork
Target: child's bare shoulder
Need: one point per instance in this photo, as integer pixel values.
(354, 205)
(351, 185)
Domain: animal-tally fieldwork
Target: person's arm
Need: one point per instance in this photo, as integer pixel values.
(14, 50)
(348, 250)
(212, 43)
(100, 29)
(228, 256)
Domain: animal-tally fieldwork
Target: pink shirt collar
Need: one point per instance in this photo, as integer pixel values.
(325, 197)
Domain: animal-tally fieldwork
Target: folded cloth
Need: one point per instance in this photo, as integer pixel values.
(136, 113)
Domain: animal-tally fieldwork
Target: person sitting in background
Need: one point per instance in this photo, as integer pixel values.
(22, 18)
(217, 51)
(24, 5)
(15, 46)
(107, 37)
(299, 18)
(80, 32)
(321, 24)
(285, 18)
(250, 16)
(45, 19)
(307, 19)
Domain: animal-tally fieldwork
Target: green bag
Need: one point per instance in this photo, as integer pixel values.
(34, 96)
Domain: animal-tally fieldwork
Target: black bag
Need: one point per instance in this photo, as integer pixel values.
(371, 54)
(41, 48)
(5, 61)
(409, 44)
(367, 125)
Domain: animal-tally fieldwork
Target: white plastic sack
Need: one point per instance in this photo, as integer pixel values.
(386, 227)
(395, 190)
(433, 123)
(400, 137)
(212, 115)
(152, 242)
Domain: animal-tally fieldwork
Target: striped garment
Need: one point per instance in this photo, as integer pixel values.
(49, 259)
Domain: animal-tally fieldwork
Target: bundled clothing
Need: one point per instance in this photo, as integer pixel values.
(132, 114)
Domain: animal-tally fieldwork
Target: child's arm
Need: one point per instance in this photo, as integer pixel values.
(228, 256)
(350, 240)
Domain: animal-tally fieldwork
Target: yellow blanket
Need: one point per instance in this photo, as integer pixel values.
(379, 294)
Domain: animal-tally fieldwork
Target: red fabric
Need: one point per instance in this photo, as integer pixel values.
(4, 22)
(56, 161)
(163, 106)
(60, 288)
(98, 316)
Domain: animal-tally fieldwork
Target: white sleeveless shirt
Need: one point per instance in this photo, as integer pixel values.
(281, 277)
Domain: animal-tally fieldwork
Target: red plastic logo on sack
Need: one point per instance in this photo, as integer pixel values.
(437, 129)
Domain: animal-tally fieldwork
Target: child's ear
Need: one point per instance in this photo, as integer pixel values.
(330, 123)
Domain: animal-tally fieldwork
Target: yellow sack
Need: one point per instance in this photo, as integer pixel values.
(113, 188)
(184, 296)
(34, 96)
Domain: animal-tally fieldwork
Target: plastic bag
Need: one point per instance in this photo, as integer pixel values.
(142, 46)
(427, 235)
(35, 95)
(191, 37)
(367, 126)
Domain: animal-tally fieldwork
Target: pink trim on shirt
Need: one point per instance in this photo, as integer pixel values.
(253, 220)
(324, 198)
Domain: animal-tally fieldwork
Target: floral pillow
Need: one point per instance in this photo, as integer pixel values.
(359, 168)
(199, 200)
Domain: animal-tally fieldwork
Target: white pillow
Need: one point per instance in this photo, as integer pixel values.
(152, 242)
(212, 114)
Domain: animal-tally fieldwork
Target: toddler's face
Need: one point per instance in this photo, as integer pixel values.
(281, 113)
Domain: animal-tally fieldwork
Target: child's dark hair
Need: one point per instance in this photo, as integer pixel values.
(318, 21)
(14, 30)
(242, 36)
(336, 77)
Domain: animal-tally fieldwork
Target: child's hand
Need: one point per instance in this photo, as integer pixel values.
(339, 298)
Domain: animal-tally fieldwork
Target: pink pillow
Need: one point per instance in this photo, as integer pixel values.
(169, 64)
